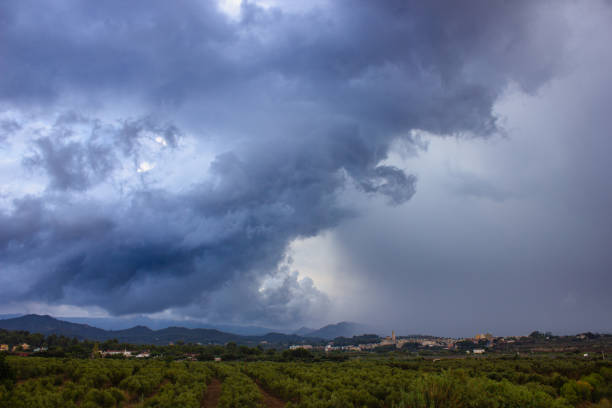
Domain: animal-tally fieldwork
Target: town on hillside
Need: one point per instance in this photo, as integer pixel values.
(587, 345)
(479, 344)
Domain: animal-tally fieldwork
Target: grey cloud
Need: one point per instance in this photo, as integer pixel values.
(306, 102)
(103, 45)
(131, 133)
(78, 159)
(516, 236)
(472, 185)
(392, 182)
(72, 165)
(401, 64)
(180, 247)
(7, 128)
(21, 226)
(289, 300)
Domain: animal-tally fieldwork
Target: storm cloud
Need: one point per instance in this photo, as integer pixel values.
(173, 153)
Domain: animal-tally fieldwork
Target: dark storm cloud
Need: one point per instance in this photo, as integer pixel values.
(317, 99)
(178, 246)
(102, 45)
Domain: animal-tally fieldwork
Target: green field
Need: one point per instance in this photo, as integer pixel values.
(31, 382)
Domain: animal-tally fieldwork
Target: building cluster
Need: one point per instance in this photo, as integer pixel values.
(125, 353)
(22, 348)
(393, 340)
(417, 341)
(301, 346)
(480, 336)
(140, 354)
(331, 347)
(481, 342)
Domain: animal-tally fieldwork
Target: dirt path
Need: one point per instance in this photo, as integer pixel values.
(213, 392)
(270, 400)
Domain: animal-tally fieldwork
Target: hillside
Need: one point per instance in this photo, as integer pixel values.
(342, 329)
(48, 325)
(120, 323)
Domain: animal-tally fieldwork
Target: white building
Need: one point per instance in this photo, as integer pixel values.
(301, 346)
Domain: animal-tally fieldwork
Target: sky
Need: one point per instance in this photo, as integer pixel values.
(427, 167)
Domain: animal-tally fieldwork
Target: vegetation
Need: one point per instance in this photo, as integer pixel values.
(448, 383)
(467, 382)
(50, 382)
(57, 371)
(238, 389)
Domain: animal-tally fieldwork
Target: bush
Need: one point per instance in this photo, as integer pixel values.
(7, 373)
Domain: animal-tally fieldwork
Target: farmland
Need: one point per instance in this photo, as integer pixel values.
(468, 382)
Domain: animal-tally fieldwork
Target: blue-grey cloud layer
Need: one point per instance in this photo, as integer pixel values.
(302, 104)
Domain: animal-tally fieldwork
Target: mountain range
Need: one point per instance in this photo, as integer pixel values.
(119, 323)
(342, 329)
(140, 334)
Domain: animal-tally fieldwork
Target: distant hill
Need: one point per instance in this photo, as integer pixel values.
(342, 329)
(120, 323)
(302, 331)
(48, 325)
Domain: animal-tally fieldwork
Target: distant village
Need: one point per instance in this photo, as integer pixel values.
(480, 344)
(392, 342)
(22, 349)
(396, 342)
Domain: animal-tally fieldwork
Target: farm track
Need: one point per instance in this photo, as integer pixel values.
(270, 400)
(213, 392)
